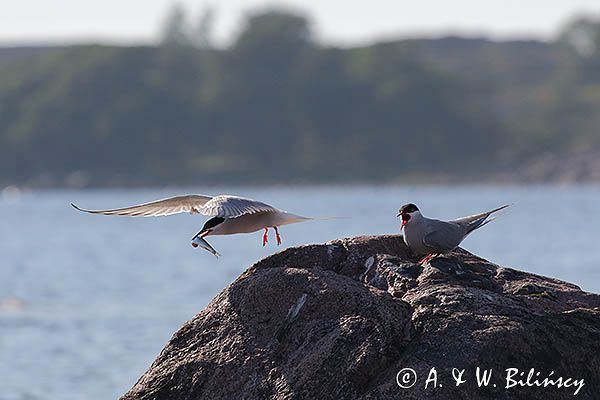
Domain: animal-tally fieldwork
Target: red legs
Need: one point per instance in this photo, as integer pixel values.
(423, 261)
(278, 237)
(266, 238)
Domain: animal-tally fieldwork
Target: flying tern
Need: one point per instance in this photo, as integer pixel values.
(426, 236)
(230, 215)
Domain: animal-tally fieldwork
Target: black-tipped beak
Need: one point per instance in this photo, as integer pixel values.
(399, 215)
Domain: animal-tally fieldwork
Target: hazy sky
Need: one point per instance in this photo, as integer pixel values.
(335, 21)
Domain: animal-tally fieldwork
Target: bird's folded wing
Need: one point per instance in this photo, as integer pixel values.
(443, 236)
(173, 205)
(226, 206)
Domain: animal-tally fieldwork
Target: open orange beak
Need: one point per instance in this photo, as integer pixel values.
(404, 221)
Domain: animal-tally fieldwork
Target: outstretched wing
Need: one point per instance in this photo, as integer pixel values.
(443, 236)
(224, 206)
(192, 203)
(227, 206)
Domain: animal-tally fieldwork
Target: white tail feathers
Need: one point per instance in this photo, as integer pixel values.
(328, 218)
(476, 221)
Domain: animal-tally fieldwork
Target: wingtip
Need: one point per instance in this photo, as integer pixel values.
(75, 206)
(507, 206)
(502, 207)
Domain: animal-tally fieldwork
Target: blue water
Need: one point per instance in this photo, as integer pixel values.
(87, 302)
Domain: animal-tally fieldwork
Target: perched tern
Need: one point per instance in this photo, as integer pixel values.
(230, 215)
(426, 236)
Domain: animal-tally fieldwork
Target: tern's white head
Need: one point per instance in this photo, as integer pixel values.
(409, 212)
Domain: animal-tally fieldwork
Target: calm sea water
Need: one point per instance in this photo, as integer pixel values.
(87, 302)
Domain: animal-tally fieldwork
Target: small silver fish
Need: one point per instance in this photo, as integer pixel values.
(199, 241)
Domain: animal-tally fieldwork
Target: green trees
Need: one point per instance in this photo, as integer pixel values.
(277, 107)
(178, 30)
(579, 102)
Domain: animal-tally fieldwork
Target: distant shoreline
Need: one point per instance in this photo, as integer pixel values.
(8, 190)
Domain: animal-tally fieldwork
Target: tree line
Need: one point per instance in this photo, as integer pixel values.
(276, 106)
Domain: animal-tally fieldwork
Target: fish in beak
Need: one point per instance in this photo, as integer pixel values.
(200, 241)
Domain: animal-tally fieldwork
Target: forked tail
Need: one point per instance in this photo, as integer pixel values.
(474, 222)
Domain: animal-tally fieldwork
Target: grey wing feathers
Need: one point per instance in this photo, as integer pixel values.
(172, 205)
(218, 206)
(233, 207)
(444, 236)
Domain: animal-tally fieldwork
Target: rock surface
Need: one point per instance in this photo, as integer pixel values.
(340, 320)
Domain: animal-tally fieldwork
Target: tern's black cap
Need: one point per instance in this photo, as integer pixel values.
(211, 223)
(408, 208)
